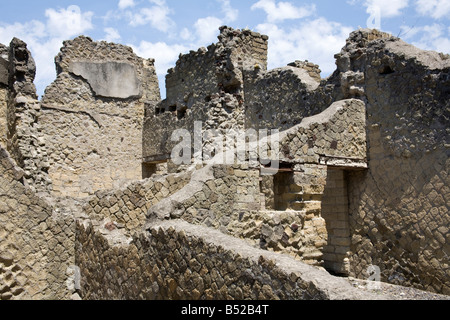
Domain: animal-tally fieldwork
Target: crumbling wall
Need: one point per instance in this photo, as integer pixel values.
(206, 86)
(4, 94)
(177, 260)
(382, 117)
(127, 207)
(229, 197)
(295, 225)
(399, 215)
(3, 116)
(24, 136)
(281, 98)
(93, 130)
(200, 74)
(36, 243)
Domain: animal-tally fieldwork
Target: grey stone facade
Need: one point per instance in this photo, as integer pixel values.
(93, 206)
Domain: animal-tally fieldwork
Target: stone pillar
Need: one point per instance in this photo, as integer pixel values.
(335, 212)
(311, 180)
(295, 224)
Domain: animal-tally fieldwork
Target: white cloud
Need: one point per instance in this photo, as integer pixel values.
(277, 12)
(112, 35)
(317, 41)
(69, 22)
(207, 29)
(185, 34)
(44, 39)
(30, 30)
(158, 2)
(123, 4)
(157, 16)
(437, 9)
(231, 14)
(43, 48)
(387, 8)
(165, 55)
(430, 37)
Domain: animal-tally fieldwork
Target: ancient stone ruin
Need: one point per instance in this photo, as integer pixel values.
(93, 204)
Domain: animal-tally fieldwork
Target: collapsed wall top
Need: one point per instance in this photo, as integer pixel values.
(199, 74)
(17, 68)
(112, 70)
(92, 116)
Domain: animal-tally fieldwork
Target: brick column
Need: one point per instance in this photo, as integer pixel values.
(335, 212)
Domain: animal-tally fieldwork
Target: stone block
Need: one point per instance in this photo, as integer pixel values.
(109, 79)
(4, 72)
(340, 241)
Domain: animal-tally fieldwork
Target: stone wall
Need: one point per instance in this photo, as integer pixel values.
(3, 116)
(127, 207)
(213, 197)
(334, 137)
(24, 137)
(206, 86)
(205, 72)
(398, 214)
(36, 242)
(363, 173)
(228, 198)
(295, 226)
(280, 98)
(177, 260)
(93, 132)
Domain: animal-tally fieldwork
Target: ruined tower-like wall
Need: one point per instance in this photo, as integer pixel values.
(37, 241)
(281, 98)
(200, 74)
(92, 116)
(19, 112)
(398, 208)
(206, 86)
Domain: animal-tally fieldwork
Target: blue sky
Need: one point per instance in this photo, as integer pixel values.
(162, 29)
